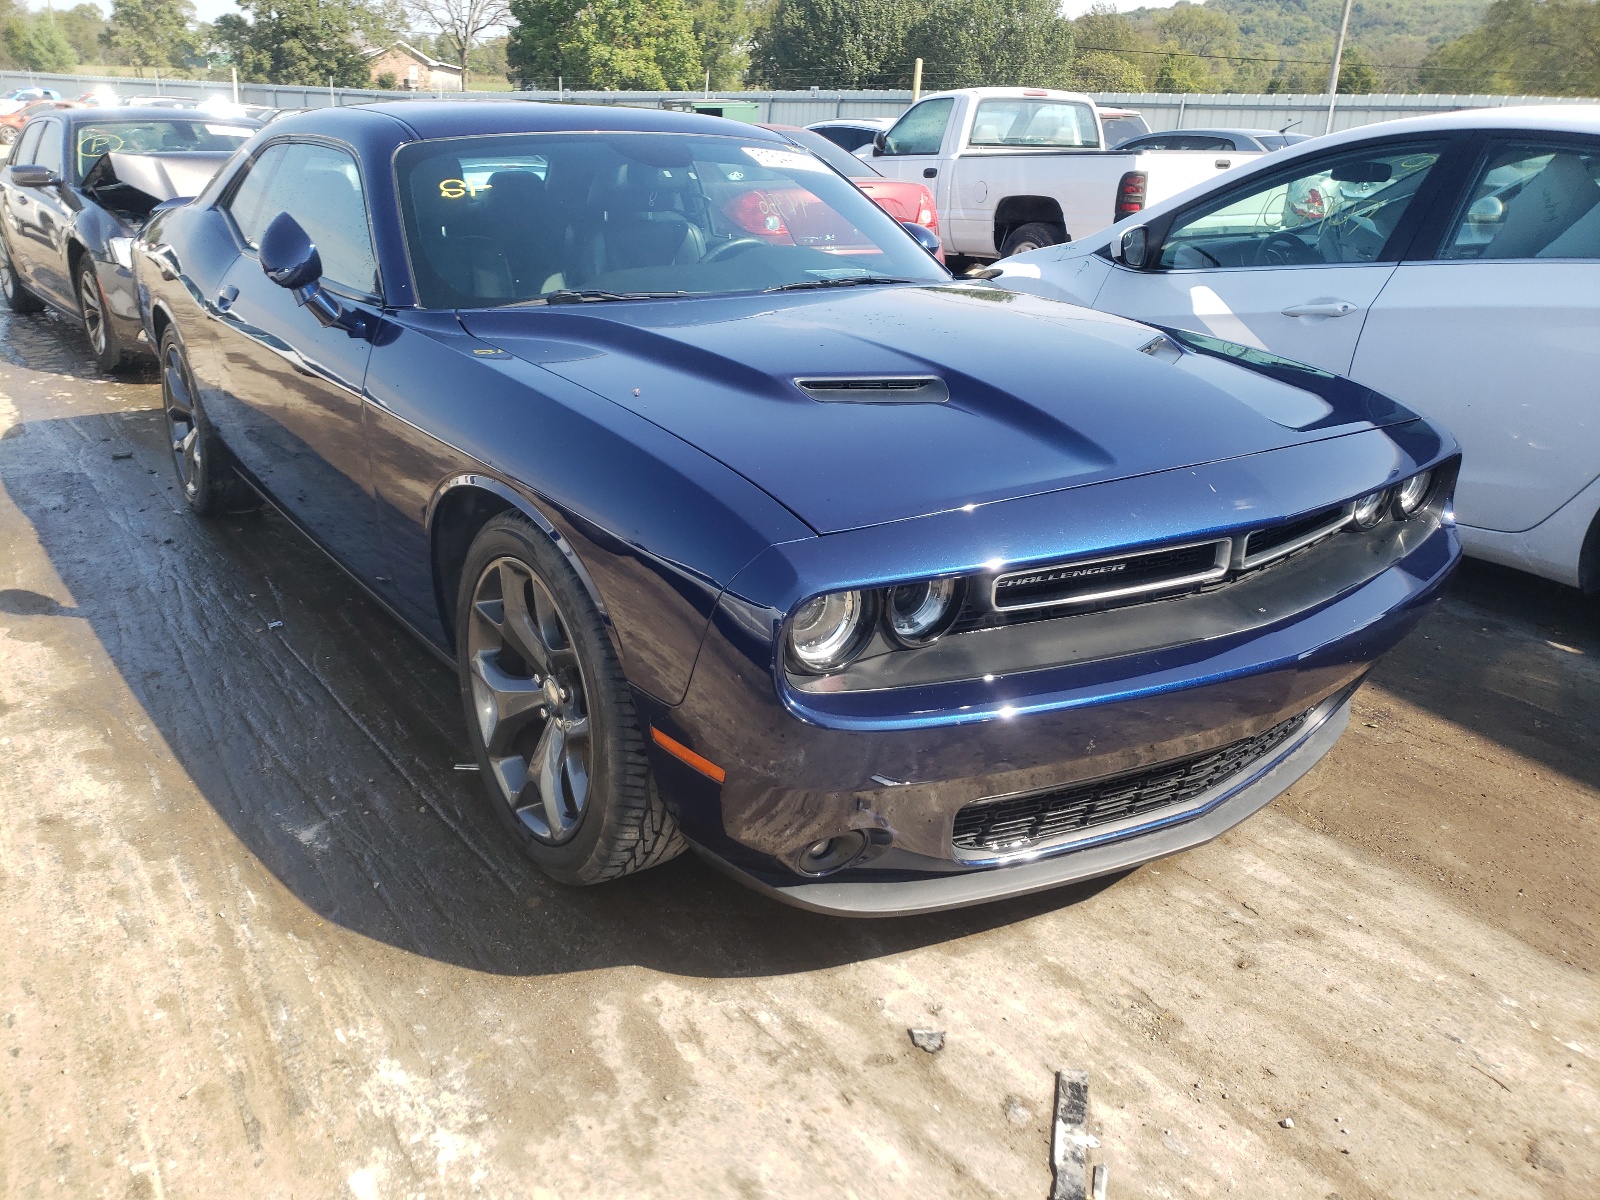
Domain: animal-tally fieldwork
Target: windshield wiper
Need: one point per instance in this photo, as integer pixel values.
(593, 295)
(841, 281)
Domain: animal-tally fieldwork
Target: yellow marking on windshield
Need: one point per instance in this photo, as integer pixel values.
(454, 189)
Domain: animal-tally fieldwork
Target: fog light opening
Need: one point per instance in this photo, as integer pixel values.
(827, 855)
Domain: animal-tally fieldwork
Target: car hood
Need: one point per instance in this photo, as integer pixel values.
(1041, 395)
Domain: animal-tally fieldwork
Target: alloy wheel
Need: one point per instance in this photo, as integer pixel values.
(182, 427)
(530, 701)
(94, 315)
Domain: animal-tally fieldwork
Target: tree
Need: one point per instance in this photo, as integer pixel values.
(82, 26)
(40, 46)
(1547, 47)
(722, 31)
(1110, 55)
(461, 23)
(150, 33)
(644, 45)
(304, 42)
(835, 44)
(974, 43)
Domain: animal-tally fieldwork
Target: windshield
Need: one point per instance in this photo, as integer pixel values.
(152, 137)
(553, 217)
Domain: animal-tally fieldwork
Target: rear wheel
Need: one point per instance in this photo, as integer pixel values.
(1032, 236)
(7, 135)
(18, 298)
(550, 714)
(110, 354)
(205, 468)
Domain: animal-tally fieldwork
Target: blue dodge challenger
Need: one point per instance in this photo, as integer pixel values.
(748, 528)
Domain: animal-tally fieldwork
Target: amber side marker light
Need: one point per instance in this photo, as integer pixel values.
(678, 750)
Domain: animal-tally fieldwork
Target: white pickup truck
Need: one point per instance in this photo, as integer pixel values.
(1013, 169)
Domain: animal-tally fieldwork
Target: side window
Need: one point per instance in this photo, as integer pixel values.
(920, 131)
(321, 188)
(49, 152)
(1338, 209)
(1531, 201)
(250, 195)
(28, 146)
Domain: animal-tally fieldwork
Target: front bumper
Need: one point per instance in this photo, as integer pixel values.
(887, 895)
(1066, 705)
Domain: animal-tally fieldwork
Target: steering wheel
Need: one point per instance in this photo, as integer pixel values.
(730, 249)
(1284, 250)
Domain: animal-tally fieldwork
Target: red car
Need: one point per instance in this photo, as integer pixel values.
(901, 199)
(11, 124)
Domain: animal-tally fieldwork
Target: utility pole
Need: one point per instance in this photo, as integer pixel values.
(1338, 57)
(235, 71)
(916, 81)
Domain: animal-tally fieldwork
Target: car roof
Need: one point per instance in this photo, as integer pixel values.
(854, 122)
(428, 119)
(92, 113)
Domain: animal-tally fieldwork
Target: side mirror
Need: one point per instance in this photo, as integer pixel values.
(880, 142)
(33, 176)
(926, 238)
(290, 259)
(1133, 250)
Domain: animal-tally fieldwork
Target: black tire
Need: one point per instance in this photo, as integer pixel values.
(206, 476)
(1032, 236)
(542, 686)
(110, 355)
(18, 298)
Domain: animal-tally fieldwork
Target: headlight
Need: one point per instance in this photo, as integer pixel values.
(1413, 493)
(829, 631)
(917, 613)
(122, 251)
(1369, 509)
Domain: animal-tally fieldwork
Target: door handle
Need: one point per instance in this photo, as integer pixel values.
(1224, 163)
(226, 297)
(929, 172)
(1323, 308)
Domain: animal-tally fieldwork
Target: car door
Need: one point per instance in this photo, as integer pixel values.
(20, 226)
(1289, 261)
(51, 221)
(1496, 331)
(911, 151)
(292, 390)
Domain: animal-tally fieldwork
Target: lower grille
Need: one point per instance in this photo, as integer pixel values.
(1023, 822)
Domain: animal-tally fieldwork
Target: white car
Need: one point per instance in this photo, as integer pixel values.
(1451, 262)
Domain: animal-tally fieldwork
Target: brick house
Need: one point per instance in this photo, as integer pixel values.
(413, 70)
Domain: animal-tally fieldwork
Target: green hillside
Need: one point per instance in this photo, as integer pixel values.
(1281, 45)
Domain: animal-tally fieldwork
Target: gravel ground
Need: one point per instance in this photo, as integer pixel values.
(257, 937)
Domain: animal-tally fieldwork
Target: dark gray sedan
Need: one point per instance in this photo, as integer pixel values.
(80, 184)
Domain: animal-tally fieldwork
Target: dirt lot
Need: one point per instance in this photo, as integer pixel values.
(258, 938)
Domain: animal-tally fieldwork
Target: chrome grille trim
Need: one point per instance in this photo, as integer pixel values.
(1223, 557)
(1244, 560)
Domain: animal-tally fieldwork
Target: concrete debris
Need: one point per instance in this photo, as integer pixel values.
(931, 1040)
(1069, 1141)
(1098, 1190)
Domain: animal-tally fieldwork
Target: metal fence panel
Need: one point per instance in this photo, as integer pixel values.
(1301, 113)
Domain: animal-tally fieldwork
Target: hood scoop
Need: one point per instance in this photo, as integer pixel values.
(875, 389)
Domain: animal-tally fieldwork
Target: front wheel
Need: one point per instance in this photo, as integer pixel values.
(205, 468)
(8, 135)
(1032, 236)
(110, 355)
(550, 714)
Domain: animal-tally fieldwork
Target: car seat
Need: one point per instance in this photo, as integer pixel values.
(1548, 205)
(644, 221)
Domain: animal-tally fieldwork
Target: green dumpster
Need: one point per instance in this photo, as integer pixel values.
(747, 111)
